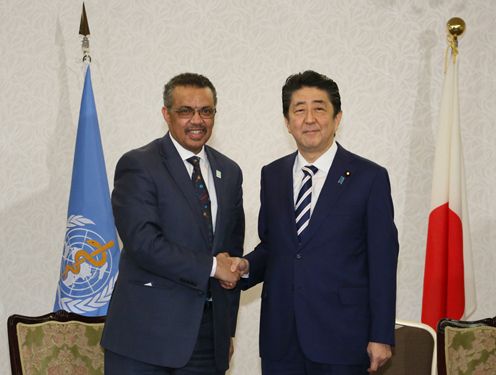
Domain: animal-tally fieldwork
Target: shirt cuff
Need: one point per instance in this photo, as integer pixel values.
(214, 267)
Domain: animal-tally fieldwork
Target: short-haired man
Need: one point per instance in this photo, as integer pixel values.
(178, 210)
(329, 246)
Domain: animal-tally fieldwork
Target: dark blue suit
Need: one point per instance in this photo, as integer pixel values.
(159, 297)
(338, 287)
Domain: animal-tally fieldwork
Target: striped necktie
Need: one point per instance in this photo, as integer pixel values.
(202, 192)
(304, 200)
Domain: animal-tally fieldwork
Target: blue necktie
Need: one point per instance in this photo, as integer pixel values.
(204, 198)
(304, 200)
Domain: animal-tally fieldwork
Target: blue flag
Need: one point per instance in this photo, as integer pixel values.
(91, 252)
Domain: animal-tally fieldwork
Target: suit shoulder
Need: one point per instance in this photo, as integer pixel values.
(279, 163)
(368, 163)
(221, 158)
(152, 147)
(142, 157)
(364, 162)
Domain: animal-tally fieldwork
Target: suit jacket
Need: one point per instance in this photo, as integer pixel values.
(339, 283)
(159, 297)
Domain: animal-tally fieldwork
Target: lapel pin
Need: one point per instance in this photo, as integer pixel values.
(218, 174)
(341, 179)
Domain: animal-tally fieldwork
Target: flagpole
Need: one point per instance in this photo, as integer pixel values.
(84, 31)
(456, 28)
(90, 258)
(449, 289)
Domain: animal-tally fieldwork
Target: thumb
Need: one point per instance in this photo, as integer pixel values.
(243, 266)
(235, 264)
(374, 365)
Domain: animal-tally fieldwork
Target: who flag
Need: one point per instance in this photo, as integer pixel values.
(91, 252)
(449, 290)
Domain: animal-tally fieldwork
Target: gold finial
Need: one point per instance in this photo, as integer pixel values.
(456, 27)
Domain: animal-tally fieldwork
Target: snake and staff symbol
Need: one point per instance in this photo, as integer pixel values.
(87, 262)
(82, 256)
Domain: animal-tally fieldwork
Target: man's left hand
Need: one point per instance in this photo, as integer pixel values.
(379, 354)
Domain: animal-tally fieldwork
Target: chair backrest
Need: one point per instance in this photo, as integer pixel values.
(414, 352)
(466, 347)
(55, 343)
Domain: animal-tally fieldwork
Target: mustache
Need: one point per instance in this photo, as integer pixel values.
(195, 128)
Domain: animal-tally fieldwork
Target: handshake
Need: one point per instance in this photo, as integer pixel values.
(230, 269)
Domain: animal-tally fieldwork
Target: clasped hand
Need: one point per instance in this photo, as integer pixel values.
(230, 269)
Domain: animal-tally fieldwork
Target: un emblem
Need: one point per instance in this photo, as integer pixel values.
(88, 270)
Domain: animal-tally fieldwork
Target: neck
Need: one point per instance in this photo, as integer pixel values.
(311, 155)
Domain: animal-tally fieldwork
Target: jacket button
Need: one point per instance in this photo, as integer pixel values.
(298, 256)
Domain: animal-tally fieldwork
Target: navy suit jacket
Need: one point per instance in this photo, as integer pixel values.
(339, 284)
(159, 297)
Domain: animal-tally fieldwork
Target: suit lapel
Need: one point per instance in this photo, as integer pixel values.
(179, 174)
(334, 185)
(286, 195)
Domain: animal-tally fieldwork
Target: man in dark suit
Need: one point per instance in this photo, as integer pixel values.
(329, 247)
(178, 210)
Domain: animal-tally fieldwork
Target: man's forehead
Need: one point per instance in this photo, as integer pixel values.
(309, 95)
(181, 89)
(192, 92)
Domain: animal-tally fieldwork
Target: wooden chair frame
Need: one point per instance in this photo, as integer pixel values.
(441, 326)
(59, 316)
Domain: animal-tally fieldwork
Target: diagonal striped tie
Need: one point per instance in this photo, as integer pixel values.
(202, 192)
(304, 200)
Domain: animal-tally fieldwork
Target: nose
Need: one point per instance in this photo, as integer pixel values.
(196, 119)
(309, 117)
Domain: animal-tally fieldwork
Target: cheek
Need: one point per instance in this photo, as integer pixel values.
(178, 127)
(294, 128)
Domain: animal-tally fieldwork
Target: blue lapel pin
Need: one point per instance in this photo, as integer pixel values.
(342, 178)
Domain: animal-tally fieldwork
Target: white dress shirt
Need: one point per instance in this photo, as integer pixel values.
(323, 163)
(207, 177)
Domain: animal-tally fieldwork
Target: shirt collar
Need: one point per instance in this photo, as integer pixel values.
(186, 154)
(323, 163)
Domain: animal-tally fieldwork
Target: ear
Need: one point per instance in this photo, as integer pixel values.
(166, 114)
(337, 120)
(286, 122)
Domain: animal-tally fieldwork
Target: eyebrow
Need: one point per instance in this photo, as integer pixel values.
(313, 102)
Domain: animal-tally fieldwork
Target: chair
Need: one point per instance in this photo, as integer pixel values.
(55, 343)
(414, 352)
(466, 347)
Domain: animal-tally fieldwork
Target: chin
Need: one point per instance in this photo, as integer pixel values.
(195, 146)
(311, 145)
